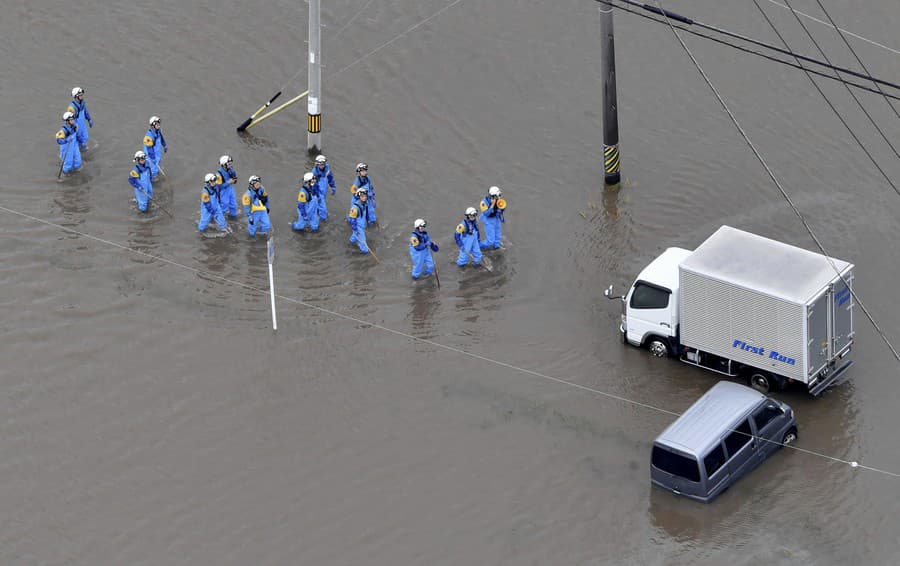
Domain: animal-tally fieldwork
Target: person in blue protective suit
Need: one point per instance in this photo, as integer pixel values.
(225, 182)
(420, 248)
(307, 205)
(467, 239)
(154, 145)
(325, 180)
(256, 207)
(358, 219)
(492, 207)
(82, 116)
(209, 205)
(67, 139)
(139, 178)
(363, 180)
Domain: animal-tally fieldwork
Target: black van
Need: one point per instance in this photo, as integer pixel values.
(726, 433)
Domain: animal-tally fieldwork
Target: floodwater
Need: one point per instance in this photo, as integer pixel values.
(149, 415)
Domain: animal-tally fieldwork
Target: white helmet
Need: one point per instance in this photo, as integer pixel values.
(494, 192)
(224, 160)
(362, 191)
(209, 178)
(76, 91)
(308, 177)
(419, 223)
(154, 120)
(471, 211)
(139, 155)
(321, 159)
(361, 166)
(67, 115)
(254, 179)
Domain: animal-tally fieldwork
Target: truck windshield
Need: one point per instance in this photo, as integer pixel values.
(649, 297)
(675, 464)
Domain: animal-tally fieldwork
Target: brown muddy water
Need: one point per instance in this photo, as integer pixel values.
(149, 415)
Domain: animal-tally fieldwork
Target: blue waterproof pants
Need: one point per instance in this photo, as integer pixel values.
(142, 196)
(70, 155)
(422, 262)
(227, 200)
(82, 133)
(493, 232)
(258, 222)
(358, 237)
(207, 215)
(469, 246)
(307, 215)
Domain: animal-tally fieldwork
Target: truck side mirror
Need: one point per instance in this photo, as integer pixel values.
(609, 294)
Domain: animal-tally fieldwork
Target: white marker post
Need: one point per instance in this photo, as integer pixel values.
(314, 102)
(270, 248)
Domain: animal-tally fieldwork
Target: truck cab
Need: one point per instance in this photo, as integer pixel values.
(650, 308)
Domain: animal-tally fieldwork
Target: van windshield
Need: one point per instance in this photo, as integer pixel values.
(675, 464)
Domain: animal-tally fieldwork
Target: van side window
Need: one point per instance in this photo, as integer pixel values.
(738, 438)
(764, 416)
(675, 464)
(649, 297)
(714, 460)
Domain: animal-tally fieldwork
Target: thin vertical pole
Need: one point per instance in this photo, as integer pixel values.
(610, 107)
(314, 101)
(270, 249)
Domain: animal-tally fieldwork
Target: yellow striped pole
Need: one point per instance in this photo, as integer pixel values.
(610, 114)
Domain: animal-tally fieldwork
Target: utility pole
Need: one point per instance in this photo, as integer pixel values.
(314, 101)
(610, 107)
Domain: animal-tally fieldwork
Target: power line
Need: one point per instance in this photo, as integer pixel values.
(781, 189)
(689, 21)
(830, 105)
(850, 47)
(850, 33)
(366, 324)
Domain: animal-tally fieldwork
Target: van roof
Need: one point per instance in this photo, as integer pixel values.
(713, 414)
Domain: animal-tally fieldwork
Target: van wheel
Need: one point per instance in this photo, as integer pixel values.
(658, 347)
(789, 437)
(761, 381)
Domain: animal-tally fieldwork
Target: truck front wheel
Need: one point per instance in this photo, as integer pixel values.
(658, 347)
(761, 381)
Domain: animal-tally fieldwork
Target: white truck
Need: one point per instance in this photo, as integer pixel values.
(746, 306)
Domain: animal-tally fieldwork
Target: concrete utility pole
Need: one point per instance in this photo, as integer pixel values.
(314, 102)
(610, 108)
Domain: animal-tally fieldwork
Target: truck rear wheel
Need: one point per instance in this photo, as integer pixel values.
(761, 381)
(658, 347)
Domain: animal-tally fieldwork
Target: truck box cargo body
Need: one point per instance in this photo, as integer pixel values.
(742, 304)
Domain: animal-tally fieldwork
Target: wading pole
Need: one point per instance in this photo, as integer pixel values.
(277, 110)
(63, 161)
(610, 110)
(246, 122)
(153, 200)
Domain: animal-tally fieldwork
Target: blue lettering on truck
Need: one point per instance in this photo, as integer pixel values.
(773, 355)
(842, 297)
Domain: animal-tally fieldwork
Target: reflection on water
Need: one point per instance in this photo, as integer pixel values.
(143, 237)
(424, 302)
(72, 198)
